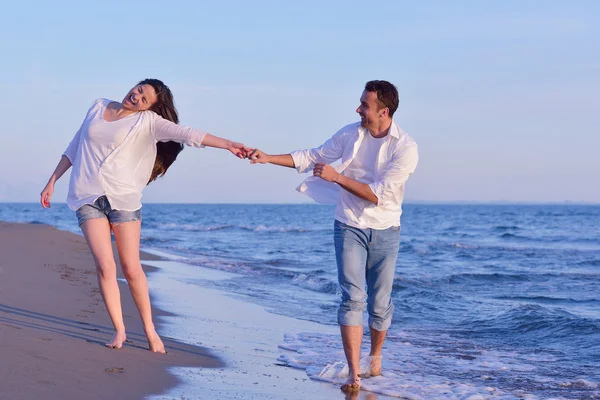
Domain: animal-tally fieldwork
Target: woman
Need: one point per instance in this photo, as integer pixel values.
(119, 149)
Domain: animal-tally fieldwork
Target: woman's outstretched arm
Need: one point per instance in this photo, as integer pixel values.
(237, 149)
(168, 131)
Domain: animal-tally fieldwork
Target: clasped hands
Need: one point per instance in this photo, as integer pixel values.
(256, 156)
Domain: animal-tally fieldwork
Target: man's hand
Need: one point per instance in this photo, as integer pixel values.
(258, 157)
(326, 172)
(239, 150)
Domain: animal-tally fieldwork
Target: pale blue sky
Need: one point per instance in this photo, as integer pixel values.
(501, 96)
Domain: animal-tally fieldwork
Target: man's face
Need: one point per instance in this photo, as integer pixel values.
(369, 110)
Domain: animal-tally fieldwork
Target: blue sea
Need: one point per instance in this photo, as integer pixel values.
(496, 299)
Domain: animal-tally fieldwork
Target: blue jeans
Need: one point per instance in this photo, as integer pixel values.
(102, 209)
(366, 257)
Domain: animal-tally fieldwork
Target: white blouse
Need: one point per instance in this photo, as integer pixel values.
(115, 159)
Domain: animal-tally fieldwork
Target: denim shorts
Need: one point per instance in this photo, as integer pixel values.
(101, 209)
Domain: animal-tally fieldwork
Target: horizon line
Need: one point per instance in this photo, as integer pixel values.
(410, 202)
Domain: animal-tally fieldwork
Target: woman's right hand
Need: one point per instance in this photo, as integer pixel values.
(46, 195)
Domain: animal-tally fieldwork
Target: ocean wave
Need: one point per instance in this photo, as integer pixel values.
(402, 283)
(513, 236)
(549, 299)
(430, 302)
(315, 283)
(535, 322)
(190, 227)
(594, 262)
(218, 227)
(464, 246)
(580, 384)
(155, 240)
(407, 282)
(316, 280)
(281, 229)
(493, 277)
(503, 228)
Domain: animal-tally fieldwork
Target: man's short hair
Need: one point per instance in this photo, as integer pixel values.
(387, 94)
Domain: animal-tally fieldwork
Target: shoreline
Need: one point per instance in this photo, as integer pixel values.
(244, 334)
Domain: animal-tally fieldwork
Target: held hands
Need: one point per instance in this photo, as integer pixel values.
(258, 157)
(239, 150)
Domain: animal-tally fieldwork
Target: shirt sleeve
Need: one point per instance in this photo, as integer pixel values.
(389, 186)
(73, 146)
(71, 150)
(165, 131)
(328, 152)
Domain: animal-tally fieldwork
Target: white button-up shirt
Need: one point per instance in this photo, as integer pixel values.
(397, 160)
(124, 168)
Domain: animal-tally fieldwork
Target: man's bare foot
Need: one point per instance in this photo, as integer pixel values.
(155, 344)
(117, 340)
(352, 384)
(372, 366)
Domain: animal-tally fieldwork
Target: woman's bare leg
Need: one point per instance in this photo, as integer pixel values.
(97, 234)
(128, 243)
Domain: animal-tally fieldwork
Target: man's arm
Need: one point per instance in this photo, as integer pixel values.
(362, 190)
(388, 187)
(324, 171)
(304, 160)
(259, 157)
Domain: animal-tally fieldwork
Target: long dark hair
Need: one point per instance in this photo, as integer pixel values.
(166, 152)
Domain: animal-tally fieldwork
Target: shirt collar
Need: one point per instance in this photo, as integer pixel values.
(394, 131)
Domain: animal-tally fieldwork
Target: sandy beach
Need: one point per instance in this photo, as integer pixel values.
(53, 327)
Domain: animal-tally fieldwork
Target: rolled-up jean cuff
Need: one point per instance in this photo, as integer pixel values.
(350, 318)
(380, 325)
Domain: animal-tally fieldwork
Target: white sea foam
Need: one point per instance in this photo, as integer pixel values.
(412, 371)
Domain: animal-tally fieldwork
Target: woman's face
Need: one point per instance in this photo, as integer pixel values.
(140, 98)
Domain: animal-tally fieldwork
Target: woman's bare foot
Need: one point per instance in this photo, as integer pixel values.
(155, 344)
(117, 340)
(352, 384)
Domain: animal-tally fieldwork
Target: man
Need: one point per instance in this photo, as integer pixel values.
(377, 158)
